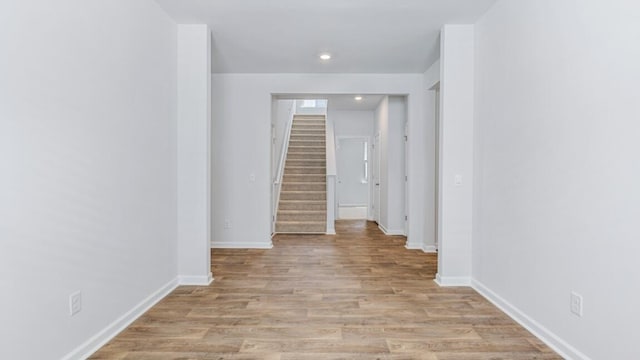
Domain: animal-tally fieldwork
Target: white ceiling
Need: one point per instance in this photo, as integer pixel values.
(342, 102)
(286, 36)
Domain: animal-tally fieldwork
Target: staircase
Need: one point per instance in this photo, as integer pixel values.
(303, 196)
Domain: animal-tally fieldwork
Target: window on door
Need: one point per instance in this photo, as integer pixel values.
(365, 178)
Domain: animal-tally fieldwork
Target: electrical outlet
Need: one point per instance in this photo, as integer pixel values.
(576, 303)
(227, 224)
(75, 303)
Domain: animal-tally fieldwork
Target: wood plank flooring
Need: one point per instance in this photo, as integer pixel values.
(356, 295)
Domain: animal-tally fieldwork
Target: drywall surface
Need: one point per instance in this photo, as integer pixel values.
(242, 142)
(352, 123)
(88, 163)
(431, 79)
(194, 154)
(456, 155)
(283, 112)
(557, 170)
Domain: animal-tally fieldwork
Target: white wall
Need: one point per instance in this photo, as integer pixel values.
(352, 123)
(284, 110)
(456, 155)
(431, 79)
(241, 120)
(320, 107)
(557, 170)
(332, 171)
(88, 163)
(194, 154)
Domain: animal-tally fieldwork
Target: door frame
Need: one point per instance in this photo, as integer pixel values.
(375, 177)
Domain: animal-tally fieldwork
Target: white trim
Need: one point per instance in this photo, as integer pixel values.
(332, 209)
(390, 232)
(538, 330)
(241, 245)
(446, 281)
(412, 246)
(330, 232)
(301, 232)
(97, 341)
(430, 249)
(196, 280)
(369, 183)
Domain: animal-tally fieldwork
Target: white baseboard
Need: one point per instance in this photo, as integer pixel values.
(196, 280)
(105, 335)
(429, 249)
(241, 245)
(424, 248)
(412, 246)
(390, 232)
(352, 212)
(552, 340)
(446, 281)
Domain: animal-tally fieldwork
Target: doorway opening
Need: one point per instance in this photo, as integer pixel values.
(366, 152)
(353, 170)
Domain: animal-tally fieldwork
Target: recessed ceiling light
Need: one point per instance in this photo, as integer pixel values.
(325, 56)
(358, 98)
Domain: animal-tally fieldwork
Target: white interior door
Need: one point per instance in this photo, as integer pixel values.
(376, 178)
(406, 178)
(353, 177)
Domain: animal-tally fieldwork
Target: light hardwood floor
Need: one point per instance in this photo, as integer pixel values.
(356, 295)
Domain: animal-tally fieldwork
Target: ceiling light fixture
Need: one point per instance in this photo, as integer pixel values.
(325, 56)
(358, 98)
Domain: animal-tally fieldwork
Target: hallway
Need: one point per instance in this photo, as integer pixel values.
(356, 295)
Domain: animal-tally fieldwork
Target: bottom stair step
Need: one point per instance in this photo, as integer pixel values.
(314, 227)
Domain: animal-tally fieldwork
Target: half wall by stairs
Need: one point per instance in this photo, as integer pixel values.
(303, 197)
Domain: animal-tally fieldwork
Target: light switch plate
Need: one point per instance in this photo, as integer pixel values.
(457, 180)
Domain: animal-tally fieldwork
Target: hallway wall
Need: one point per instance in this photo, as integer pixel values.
(241, 138)
(557, 199)
(88, 162)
